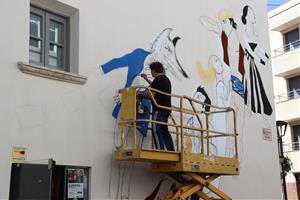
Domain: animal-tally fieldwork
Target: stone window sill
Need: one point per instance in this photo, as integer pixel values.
(46, 72)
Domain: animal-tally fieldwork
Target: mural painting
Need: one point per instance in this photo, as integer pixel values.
(163, 50)
(255, 55)
(233, 74)
(242, 58)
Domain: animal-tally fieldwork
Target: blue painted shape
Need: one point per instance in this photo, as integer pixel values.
(116, 110)
(135, 63)
(147, 106)
(237, 86)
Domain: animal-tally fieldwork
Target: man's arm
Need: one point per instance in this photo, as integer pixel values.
(146, 94)
(146, 78)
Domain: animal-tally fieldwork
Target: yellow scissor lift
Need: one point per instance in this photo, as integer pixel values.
(200, 167)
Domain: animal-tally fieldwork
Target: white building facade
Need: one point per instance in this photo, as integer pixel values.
(284, 36)
(64, 61)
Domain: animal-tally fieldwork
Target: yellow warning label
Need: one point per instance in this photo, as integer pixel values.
(19, 154)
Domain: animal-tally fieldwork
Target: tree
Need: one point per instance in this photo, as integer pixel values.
(287, 165)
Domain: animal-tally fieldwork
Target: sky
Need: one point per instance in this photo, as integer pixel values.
(274, 3)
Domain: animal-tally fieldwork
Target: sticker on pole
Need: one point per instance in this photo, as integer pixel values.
(19, 154)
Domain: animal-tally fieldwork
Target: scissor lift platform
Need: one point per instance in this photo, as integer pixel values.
(169, 161)
(202, 167)
(147, 155)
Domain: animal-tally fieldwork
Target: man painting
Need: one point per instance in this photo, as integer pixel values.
(161, 82)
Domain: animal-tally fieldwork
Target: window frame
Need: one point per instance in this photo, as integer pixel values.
(284, 34)
(294, 140)
(47, 16)
(38, 12)
(289, 86)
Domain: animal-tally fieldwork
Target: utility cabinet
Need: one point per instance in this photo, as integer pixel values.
(49, 181)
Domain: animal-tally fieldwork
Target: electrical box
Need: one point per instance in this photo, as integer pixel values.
(49, 181)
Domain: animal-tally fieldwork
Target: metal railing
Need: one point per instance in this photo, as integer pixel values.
(286, 48)
(181, 130)
(294, 94)
(294, 146)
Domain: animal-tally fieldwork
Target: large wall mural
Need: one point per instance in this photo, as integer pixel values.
(232, 77)
(163, 49)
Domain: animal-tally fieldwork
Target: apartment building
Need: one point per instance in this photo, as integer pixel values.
(284, 24)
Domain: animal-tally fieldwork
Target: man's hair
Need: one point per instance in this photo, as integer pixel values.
(157, 67)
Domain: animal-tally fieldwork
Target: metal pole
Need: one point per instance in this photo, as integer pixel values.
(207, 135)
(280, 134)
(235, 135)
(181, 127)
(281, 157)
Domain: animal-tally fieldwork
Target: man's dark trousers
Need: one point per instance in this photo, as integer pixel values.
(161, 134)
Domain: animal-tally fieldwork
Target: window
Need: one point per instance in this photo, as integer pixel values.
(294, 87)
(296, 137)
(291, 39)
(48, 44)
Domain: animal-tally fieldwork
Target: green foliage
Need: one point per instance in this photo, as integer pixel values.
(287, 165)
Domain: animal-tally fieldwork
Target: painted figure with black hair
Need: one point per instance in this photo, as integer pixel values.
(201, 95)
(206, 100)
(228, 26)
(255, 94)
(249, 20)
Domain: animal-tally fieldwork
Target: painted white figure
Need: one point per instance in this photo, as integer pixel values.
(223, 94)
(163, 50)
(220, 121)
(250, 33)
(254, 93)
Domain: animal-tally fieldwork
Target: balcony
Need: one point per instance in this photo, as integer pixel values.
(290, 147)
(294, 94)
(286, 61)
(288, 105)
